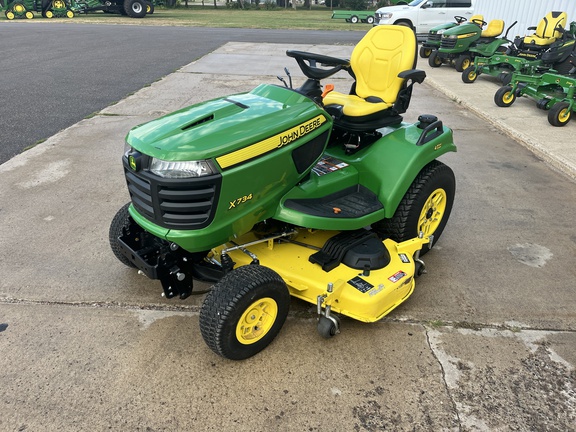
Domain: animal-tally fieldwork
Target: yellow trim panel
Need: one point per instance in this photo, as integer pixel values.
(274, 142)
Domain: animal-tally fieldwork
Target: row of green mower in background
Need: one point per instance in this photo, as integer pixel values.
(539, 65)
(69, 8)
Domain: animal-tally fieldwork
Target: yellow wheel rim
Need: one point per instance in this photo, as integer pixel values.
(466, 63)
(564, 115)
(10, 15)
(18, 8)
(70, 14)
(148, 8)
(49, 14)
(256, 321)
(508, 97)
(29, 15)
(433, 212)
(472, 75)
(58, 4)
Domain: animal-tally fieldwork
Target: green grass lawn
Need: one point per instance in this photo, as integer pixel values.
(198, 16)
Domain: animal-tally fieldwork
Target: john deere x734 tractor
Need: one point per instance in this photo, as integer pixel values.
(329, 197)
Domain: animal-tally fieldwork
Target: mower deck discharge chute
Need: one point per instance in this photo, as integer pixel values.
(308, 192)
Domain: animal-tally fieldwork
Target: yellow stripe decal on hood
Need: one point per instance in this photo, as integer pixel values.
(272, 143)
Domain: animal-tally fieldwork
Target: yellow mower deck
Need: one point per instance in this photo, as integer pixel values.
(363, 295)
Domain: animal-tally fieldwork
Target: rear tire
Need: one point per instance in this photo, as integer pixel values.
(504, 97)
(354, 19)
(244, 312)
(426, 206)
(560, 114)
(135, 8)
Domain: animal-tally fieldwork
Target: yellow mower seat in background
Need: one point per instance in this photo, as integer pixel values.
(376, 61)
(494, 29)
(477, 19)
(547, 30)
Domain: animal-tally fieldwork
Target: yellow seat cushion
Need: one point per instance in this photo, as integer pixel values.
(494, 29)
(546, 31)
(376, 61)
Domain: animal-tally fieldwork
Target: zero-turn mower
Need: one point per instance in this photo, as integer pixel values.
(329, 197)
(548, 48)
(551, 91)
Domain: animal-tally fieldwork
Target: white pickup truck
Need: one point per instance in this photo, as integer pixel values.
(422, 15)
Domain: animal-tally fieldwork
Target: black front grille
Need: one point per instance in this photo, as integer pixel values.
(448, 43)
(435, 37)
(174, 203)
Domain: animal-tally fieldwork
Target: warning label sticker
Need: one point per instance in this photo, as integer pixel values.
(397, 276)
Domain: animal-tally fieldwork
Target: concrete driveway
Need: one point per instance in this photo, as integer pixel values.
(486, 342)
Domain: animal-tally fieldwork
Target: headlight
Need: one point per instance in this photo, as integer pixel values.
(181, 169)
(387, 15)
(439, 31)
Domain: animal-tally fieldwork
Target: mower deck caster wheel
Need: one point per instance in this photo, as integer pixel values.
(505, 78)
(469, 75)
(560, 114)
(328, 327)
(419, 268)
(542, 103)
(504, 97)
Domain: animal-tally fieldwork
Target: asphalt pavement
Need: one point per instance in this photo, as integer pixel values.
(486, 342)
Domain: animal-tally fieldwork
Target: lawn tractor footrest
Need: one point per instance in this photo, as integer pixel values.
(359, 249)
(352, 202)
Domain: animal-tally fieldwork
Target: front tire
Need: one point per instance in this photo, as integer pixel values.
(425, 52)
(120, 221)
(434, 61)
(462, 62)
(354, 19)
(244, 312)
(426, 206)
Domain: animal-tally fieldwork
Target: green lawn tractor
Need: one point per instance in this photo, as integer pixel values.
(548, 48)
(552, 92)
(434, 36)
(48, 8)
(131, 8)
(307, 192)
(457, 42)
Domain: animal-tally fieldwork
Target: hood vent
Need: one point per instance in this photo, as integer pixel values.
(199, 122)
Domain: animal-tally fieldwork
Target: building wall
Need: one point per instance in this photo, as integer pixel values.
(527, 12)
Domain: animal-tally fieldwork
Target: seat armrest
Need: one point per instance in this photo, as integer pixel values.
(415, 75)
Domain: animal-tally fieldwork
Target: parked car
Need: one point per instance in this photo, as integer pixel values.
(422, 15)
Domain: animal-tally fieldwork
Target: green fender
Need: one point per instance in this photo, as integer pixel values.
(387, 167)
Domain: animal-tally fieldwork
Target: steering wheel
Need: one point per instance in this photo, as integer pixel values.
(479, 22)
(460, 19)
(308, 64)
